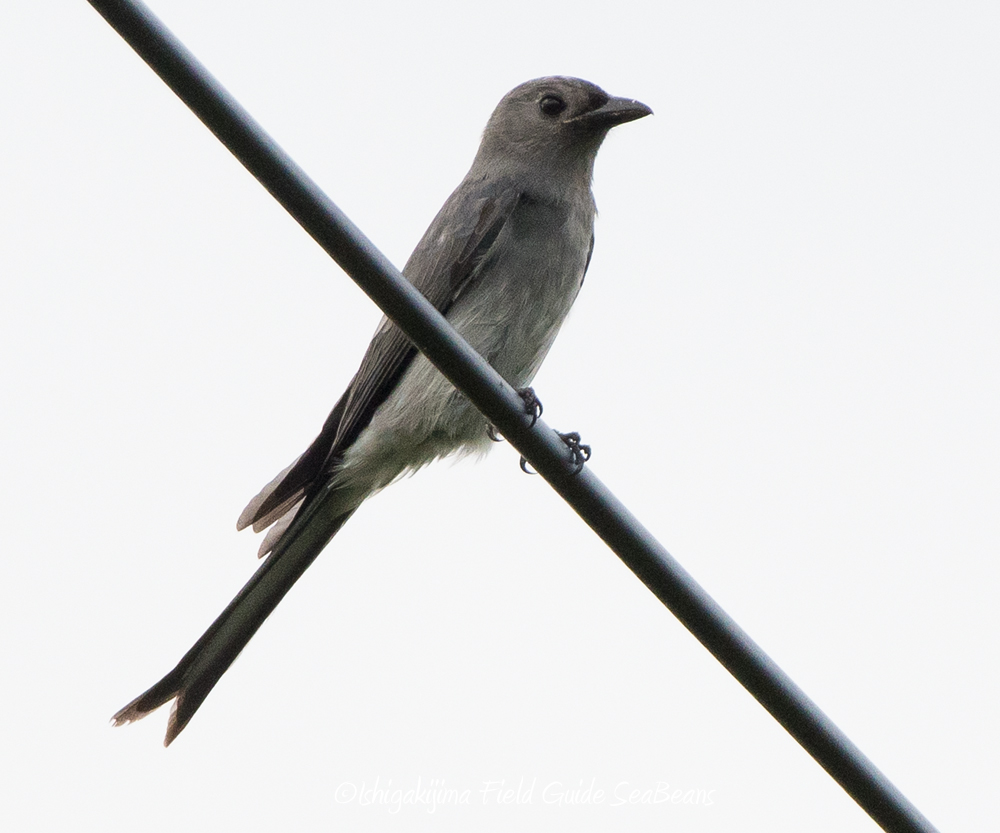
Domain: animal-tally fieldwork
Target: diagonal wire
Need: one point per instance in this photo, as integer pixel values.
(547, 453)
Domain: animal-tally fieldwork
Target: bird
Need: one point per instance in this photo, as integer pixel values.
(503, 261)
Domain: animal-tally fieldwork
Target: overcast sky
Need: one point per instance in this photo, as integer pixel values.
(785, 357)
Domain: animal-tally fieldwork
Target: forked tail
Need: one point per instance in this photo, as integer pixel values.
(209, 658)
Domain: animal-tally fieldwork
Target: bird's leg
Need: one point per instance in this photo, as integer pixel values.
(532, 407)
(580, 452)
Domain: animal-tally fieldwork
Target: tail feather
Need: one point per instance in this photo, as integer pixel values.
(252, 513)
(201, 667)
(277, 531)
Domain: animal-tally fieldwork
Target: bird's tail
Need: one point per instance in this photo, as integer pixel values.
(209, 658)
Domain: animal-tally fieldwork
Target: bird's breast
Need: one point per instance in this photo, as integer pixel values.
(525, 286)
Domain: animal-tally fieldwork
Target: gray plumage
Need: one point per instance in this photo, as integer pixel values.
(503, 260)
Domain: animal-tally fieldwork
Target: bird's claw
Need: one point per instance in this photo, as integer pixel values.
(580, 452)
(532, 404)
(532, 407)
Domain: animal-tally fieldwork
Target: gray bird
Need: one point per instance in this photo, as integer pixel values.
(503, 260)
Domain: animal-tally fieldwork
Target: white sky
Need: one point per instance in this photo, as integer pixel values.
(785, 357)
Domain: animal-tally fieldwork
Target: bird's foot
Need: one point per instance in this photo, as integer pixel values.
(532, 407)
(532, 404)
(580, 452)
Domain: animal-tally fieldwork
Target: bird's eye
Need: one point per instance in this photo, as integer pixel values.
(551, 105)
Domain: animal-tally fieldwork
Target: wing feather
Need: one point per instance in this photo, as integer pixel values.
(448, 249)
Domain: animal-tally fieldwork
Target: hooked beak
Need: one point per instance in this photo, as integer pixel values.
(615, 111)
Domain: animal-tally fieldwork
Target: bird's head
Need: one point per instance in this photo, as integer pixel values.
(553, 124)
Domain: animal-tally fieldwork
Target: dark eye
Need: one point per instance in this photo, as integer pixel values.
(551, 105)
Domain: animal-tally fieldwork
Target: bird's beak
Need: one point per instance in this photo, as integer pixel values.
(615, 111)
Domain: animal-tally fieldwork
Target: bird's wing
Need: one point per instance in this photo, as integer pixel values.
(442, 268)
(590, 254)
